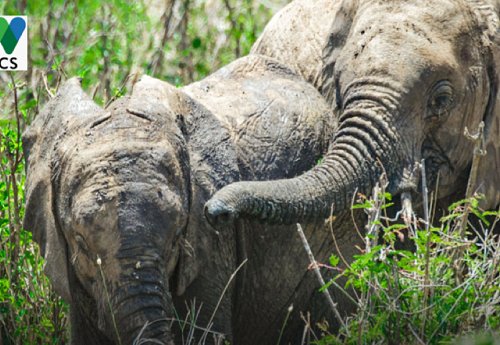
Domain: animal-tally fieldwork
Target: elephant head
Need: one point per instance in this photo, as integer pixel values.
(108, 199)
(406, 78)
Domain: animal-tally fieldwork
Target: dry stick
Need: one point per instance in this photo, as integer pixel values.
(305, 333)
(14, 161)
(436, 193)
(234, 26)
(352, 215)
(337, 248)
(196, 327)
(427, 243)
(321, 281)
(44, 78)
(478, 152)
(371, 237)
(18, 120)
(308, 326)
(443, 320)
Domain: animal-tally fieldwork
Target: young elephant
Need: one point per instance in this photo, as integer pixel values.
(115, 199)
(406, 79)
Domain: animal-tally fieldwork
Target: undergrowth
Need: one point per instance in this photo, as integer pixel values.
(416, 283)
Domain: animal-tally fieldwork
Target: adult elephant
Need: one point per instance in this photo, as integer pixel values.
(405, 79)
(115, 199)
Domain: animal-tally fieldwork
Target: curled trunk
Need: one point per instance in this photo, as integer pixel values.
(361, 148)
(140, 308)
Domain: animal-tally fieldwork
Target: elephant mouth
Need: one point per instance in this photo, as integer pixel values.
(438, 167)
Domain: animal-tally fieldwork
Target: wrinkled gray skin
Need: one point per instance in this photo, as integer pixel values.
(405, 79)
(115, 199)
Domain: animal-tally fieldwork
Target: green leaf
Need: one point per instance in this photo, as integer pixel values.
(367, 204)
(334, 260)
(196, 43)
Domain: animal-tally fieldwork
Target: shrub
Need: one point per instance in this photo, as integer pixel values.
(444, 286)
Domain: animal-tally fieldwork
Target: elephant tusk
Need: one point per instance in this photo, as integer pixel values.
(408, 215)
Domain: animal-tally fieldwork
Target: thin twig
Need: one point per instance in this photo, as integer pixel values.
(308, 325)
(427, 244)
(234, 26)
(373, 225)
(335, 240)
(435, 195)
(420, 341)
(99, 263)
(158, 56)
(233, 275)
(119, 92)
(289, 311)
(479, 151)
(321, 281)
(352, 214)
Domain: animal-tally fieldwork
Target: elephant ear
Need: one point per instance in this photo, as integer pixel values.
(339, 32)
(71, 105)
(488, 178)
(213, 165)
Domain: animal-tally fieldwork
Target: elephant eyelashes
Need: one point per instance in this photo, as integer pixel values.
(82, 244)
(441, 100)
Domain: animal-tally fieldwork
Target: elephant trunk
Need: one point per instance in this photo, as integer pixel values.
(361, 149)
(140, 304)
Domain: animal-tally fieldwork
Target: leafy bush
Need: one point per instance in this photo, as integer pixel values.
(29, 311)
(442, 283)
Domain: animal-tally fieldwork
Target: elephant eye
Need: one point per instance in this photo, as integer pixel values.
(441, 100)
(338, 96)
(82, 244)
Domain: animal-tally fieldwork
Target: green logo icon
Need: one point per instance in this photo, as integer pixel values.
(11, 33)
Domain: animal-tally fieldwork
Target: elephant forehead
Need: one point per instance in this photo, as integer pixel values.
(429, 19)
(123, 161)
(120, 202)
(102, 174)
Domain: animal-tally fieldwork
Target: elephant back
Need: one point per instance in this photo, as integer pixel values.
(280, 124)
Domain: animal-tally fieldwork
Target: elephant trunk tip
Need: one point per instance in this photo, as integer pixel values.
(218, 212)
(227, 204)
(154, 333)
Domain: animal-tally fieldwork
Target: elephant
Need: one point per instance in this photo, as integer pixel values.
(115, 198)
(405, 80)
